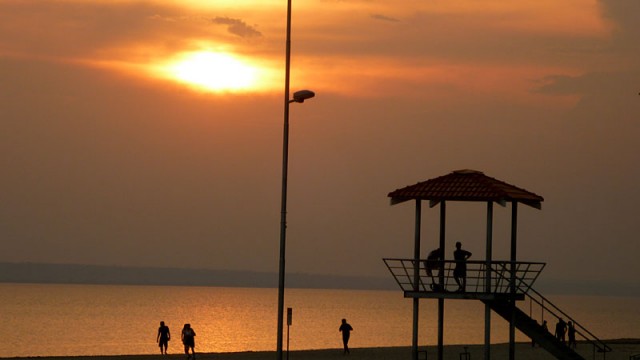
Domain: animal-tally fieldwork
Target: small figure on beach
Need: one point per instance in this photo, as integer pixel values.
(544, 327)
(346, 330)
(561, 329)
(163, 338)
(460, 271)
(434, 262)
(571, 332)
(189, 341)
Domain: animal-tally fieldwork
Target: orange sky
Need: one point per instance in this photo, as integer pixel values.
(108, 142)
(350, 48)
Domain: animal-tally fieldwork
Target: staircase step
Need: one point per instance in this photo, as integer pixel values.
(531, 328)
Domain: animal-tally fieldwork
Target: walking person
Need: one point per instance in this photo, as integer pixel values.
(571, 331)
(460, 271)
(346, 330)
(561, 329)
(189, 341)
(544, 327)
(164, 335)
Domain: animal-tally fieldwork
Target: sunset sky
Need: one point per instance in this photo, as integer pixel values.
(149, 133)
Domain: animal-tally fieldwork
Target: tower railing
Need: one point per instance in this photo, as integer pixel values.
(439, 276)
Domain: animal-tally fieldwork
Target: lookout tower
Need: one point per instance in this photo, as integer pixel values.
(499, 284)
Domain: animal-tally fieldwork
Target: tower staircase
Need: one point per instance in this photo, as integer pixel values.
(546, 306)
(534, 330)
(507, 282)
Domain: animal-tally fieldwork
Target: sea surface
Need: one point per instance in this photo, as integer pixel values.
(68, 320)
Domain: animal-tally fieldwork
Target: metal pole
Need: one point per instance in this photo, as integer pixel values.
(283, 203)
(289, 321)
(487, 308)
(443, 217)
(416, 280)
(512, 321)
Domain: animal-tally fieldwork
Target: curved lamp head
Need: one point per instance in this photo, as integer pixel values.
(302, 95)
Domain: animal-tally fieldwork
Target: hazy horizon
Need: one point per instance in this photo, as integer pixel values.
(150, 133)
(83, 274)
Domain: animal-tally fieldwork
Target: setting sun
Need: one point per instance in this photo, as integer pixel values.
(212, 71)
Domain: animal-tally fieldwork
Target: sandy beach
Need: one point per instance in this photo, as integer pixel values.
(622, 350)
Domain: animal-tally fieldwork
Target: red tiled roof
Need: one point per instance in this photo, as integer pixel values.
(465, 185)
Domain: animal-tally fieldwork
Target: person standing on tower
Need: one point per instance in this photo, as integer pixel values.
(460, 271)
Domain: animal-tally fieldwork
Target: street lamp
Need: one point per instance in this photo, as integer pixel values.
(298, 97)
(302, 95)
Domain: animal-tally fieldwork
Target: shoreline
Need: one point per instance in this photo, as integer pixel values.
(622, 350)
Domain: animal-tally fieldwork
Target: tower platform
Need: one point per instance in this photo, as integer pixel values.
(497, 280)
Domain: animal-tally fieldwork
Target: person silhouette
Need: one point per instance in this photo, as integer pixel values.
(561, 328)
(434, 262)
(460, 271)
(571, 332)
(189, 341)
(544, 327)
(346, 329)
(163, 338)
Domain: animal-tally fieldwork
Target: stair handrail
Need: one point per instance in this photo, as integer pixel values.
(594, 340)
(502, 272)
(522, 285)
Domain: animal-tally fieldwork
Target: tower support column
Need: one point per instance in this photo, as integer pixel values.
(487, 309)
(416, 280)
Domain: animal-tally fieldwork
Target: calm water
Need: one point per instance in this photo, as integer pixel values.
(43, 320)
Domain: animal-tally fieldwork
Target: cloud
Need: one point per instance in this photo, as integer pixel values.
(84, 29)
(163, 18)
(384, 18)
(561, 85)
(237, 27)
(619, 73)
(594, 83)
(627, 29)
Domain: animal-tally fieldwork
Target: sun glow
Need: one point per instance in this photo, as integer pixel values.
(212, 71)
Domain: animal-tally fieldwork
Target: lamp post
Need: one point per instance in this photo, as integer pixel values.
(299, 97)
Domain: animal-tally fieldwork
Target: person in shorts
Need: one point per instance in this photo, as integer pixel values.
(434, 262)
(189, 341)
(163, 337)
(346, 330)
(460, 271)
